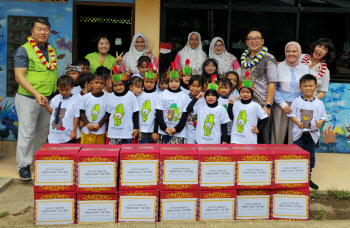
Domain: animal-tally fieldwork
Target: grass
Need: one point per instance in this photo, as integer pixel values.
(323, 215)
(332, 194)
(3, 214)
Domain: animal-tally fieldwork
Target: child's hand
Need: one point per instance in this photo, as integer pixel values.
(167, 131)
(128, 73)
(319, 123)
(172, 131)
(300, 125)
(97, 126)
(255, 129)
(73, 135)
(81, 123)
(199, 96)
(232, 99)
(135, 133)
(224, 142)
(118, 59)
(90, 127)
(155, 137)
(287, 109)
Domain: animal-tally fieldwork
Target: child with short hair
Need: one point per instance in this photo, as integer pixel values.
(225, 86)
(171, 110)
(142, 65)
(136, 85)
(308, 115)
(162, 81)
(186, 75)
(93, 112)
(104, 71)
(245, 114)
(123, 111)
(212, 117)
(74, 71)
(84, 65)
(234, 78)
(209, 68)
(147, 101)
(64, 113)
(196, 84)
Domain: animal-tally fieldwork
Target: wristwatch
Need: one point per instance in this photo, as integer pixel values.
(268, 105)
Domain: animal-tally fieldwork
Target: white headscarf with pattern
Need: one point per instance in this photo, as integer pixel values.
(224, 60)
(131, 57)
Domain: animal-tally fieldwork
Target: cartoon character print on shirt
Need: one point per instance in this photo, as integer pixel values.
(306, 117)
(119, 114)
(146, 109)
(225, 106)
(241, 121)
(95, 111)
(59, 125)
(208, 124)
(192, 120)
(173, 113)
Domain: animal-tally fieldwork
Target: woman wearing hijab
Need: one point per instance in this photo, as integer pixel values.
(138, 48)
(226, 61)
(287, 89)
(192, 51)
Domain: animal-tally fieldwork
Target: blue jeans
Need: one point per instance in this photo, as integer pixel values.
(307, 143)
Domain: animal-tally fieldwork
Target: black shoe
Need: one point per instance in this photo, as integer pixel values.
(313, 185)
(24, 173)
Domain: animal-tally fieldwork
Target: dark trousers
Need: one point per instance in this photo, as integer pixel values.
(307, 143)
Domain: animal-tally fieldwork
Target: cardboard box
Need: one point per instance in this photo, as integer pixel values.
(254, 168)
(177, 146)
(217, 205)
(291, 168)
(248, 146)
(253, 204)
(97, 170)
(101, 147)
(213, 146)
(179, 206)
(138, 205)
(282, 146)
(139, 169)
(55, 170)
(291, 204)
(217, 169)
(54, 208)
(178, 170)
(140, 146)
(97, 208)
(62, 145)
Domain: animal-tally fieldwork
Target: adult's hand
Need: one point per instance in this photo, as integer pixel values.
(287, 109)
(149, 52)
(118, 58)
(41, 99)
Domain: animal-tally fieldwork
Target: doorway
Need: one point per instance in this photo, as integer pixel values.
(90, 19)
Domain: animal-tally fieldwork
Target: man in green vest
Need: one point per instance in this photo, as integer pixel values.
(36, 72)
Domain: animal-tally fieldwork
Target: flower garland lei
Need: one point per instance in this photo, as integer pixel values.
(323, 69)
(49, 66)
(255, 61)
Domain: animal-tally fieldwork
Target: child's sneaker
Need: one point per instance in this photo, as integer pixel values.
(313, 185)
(24, 173)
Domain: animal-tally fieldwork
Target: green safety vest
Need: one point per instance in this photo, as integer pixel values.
(44, 81)
(95, 62)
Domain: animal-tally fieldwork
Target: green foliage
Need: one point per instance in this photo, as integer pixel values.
(3, 214)
(338, 194)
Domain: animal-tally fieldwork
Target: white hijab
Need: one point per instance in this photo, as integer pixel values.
(131, 57)
(196, 56)
(224, 60)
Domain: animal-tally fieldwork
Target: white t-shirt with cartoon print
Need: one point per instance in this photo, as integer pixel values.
(147, 105)
(95, 108)
(244, 117)
(191, 123)
(120, 125)
(60, 132)
(173, 105)
(209, 122)
(224, 102)
(79, 100)
(307, 112)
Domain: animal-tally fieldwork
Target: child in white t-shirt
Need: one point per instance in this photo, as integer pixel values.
(136, 85)
(64, 113)
(123, 110)
(212, 118)
(74, 71)
(308, 115)
(93, 112)
(245, 114)
(225, 86)
(147, 101)
(186, 76)
(234, 78)
(171, 110)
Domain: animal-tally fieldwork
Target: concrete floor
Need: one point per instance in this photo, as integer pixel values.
(331, 171)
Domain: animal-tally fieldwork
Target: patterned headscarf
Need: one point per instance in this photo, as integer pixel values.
(225, 59)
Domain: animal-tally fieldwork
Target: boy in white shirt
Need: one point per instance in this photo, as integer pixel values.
(308, 115)
(64, 113)
(74, 71)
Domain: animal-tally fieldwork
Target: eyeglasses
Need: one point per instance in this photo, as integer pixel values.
(218, 45)
(256, 39)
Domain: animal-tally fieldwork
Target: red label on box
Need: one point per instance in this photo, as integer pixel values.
(139, 169)
(98, 170)
(290, 204)
(55, 170)
(138, 205)
(97, 208)
(254, 168)
(179, 206)
(54, 208)
(178, 170)
(217, 169)
(253, 204)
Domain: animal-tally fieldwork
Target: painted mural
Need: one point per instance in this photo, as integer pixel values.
(60, 16)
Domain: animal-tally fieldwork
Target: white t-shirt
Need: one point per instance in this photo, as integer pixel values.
(76, 90)
(172, 105)
(187, 91)
(191, 123)
(244, 117)
(120, 125)
(311, 111)
(60, 132)
(147, 105)
(224, 102)
(79, 100)
(209, 122)
(95, 109)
